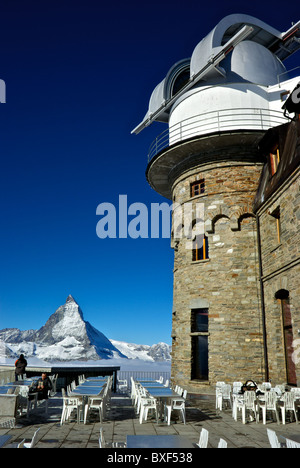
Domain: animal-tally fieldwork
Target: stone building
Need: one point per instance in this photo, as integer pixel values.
(219, 104)
(277, 205)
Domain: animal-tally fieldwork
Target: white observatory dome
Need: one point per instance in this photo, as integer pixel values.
(254, 63)
(233, 81)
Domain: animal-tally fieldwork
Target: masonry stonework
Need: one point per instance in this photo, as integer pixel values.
(226, 283)
(281, 272)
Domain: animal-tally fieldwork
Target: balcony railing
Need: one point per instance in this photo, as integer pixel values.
(216, 121)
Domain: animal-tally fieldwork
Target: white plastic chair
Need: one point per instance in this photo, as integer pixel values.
(203, 440)
(69, 404)
(287, 403)
(278, 389)
(53, 379)
(31, 444)
(237, 404)
(270, 404)
(250, 404)
(103, 444)
(296, 391)
(81, 379)
(31, 403)
(99, 404)
(236, 387)
(222, 443)
(146, 405)
(292, 444)
(265, 386)
(166, 383)
(176, 405)
(133, 390)
(141, 393)
(273, 439)
(122, 386)
(219, 386)
(223, 395)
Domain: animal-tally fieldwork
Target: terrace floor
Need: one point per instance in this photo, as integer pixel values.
(122, 420)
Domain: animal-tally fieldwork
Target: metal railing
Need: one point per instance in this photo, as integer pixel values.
(216, 121)
(142, 375)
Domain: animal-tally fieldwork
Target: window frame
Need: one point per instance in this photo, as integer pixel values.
(198, 339)
(276, 215)
(204, 248)
(200, 185)
(274, 159)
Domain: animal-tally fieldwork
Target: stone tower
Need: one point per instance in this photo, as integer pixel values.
(218, 105)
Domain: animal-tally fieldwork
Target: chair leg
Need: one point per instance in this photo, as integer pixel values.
(264, 415)
(86, 411)
(169, 409)
(167, 414)
(62, 419)
(283, 415)
(141, 414)
(100, 413)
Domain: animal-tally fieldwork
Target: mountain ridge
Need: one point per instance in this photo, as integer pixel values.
(66, 336)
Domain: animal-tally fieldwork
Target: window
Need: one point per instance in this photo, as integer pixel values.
(199, 320)
(200, 252)
(274, 160)
(276, 215)
(197, 187)
(199, 335)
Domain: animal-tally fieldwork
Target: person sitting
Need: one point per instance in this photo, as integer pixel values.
(42, 388)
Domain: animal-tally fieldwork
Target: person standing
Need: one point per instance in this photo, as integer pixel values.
(20, 367)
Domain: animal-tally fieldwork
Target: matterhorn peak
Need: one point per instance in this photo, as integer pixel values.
(70, 298)
(67, 335)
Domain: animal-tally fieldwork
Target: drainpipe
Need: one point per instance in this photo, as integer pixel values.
(262, 301)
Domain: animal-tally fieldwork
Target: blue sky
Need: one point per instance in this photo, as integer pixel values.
(79, 75)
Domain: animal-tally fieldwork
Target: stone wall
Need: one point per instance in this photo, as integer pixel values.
(281, 272)
(227, 282)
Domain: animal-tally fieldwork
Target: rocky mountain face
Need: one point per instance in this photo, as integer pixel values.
(66, 336)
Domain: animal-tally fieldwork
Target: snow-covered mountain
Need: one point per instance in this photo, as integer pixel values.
(66, 336)
(158, 353)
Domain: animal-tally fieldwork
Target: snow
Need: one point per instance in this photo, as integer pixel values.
(67, 337)
(130, 350)
(124, 364)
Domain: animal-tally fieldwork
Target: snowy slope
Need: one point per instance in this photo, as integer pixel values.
(156, 353)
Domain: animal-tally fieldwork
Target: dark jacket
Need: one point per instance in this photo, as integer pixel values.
(43, 392)
(20, 366)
